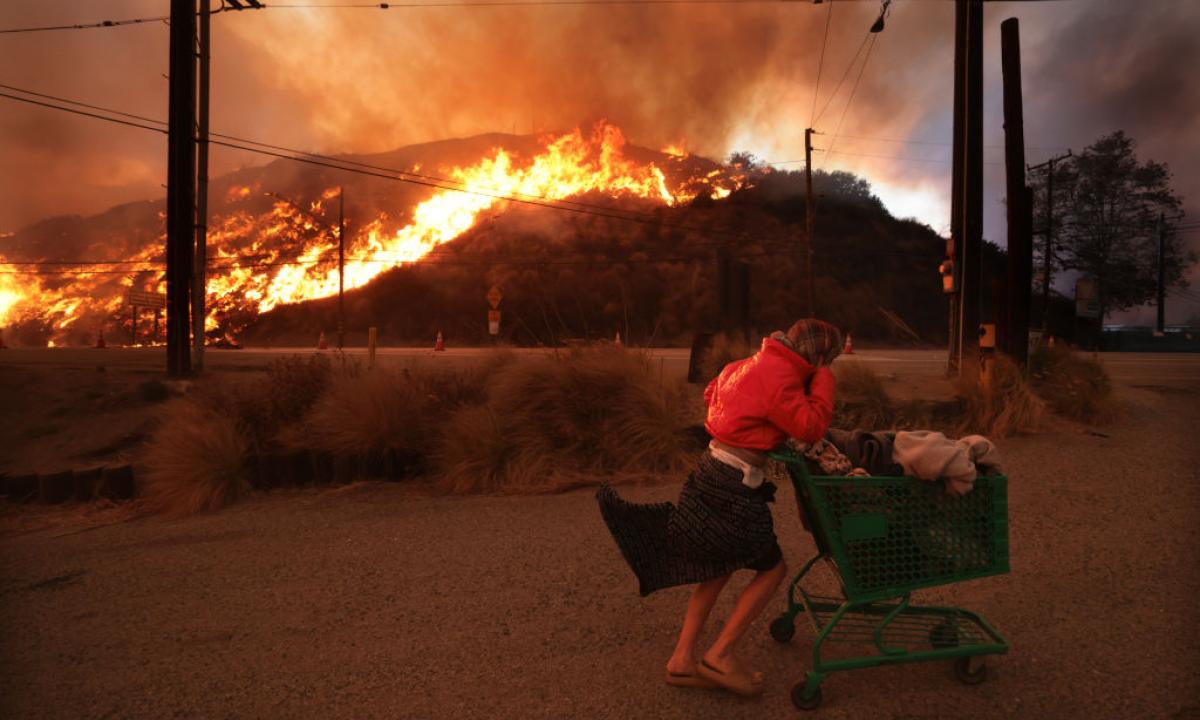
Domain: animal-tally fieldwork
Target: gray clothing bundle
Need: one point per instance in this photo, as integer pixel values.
(922, 454)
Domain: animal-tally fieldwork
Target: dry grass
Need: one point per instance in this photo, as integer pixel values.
(379, 418)
(1003, 406)
(551, 422)
(197, 460)
(724, 350)
(1072, 385)
(861, 400)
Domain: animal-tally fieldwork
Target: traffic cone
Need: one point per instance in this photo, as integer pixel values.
(439, 345)
(848, 347)
(100, 344)
(321, 344)
(1051, 342)
(618, 342)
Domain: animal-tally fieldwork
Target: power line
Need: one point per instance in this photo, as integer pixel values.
(871, 155)
(393, 6)
(87, 26)
(870, 138)
(846, 74)
(515, 3)
(464, 187)
(404, 176)
(821, 63)
(853, 90)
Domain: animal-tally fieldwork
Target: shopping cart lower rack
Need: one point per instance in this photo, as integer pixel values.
(884, 537)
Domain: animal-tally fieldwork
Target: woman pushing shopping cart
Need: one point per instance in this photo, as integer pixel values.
(882, 536)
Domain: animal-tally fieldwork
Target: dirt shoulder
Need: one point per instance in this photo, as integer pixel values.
(379, 600)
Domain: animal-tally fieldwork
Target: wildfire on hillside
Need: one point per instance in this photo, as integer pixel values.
(288, 254)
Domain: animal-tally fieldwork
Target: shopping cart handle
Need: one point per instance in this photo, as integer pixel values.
(785, 454)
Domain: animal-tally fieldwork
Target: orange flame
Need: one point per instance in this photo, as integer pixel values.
(259, 262)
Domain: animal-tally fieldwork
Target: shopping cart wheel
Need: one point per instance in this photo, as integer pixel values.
(783, 628)
(970, 670)
(801, 701)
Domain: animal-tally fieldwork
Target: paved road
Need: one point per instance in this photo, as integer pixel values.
(382, 601)
(1168, 369)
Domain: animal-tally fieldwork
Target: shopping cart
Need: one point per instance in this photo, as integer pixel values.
(884, 537)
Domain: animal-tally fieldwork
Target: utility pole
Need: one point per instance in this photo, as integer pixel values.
(1162, 290)
(181, 182)
(199, 272)
(810, 295)
(1015, 334)
(341, 267)
(1049, 244)
(967, 204)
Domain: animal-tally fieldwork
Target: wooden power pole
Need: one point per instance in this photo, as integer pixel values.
(1160, 230)
(1048, 246)
(341, 334)
(967, 204)
(199, 273)
(809, 222)
(181, 182)
(1020, 253)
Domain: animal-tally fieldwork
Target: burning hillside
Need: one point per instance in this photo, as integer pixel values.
(273, 234)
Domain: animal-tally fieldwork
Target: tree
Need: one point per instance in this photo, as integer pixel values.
(1106, 213)
(744, 160)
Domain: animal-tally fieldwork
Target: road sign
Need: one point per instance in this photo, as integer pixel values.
(141, 298)
(493, 321)
(494, 297)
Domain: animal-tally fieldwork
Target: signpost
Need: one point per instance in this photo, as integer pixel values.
(143, 298)
(494, 297)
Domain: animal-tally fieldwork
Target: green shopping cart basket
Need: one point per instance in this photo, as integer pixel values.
(885, 537)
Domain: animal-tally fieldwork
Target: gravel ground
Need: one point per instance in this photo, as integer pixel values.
(378, 601)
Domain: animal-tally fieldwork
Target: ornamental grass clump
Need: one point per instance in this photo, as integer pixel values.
(861, 401)
(197, 459)
(1001, 405)
(555, 422)
(1072, 385)
(724, 349)
(375, 419)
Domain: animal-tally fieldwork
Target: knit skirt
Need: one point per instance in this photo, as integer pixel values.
(719, 525)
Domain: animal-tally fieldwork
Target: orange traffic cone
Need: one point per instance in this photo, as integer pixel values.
(848, 347)
(321, 344)
(439, 345)
(1051, 342)
(618, 342)
(100, 344)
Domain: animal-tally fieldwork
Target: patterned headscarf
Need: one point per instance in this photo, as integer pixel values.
(816, 341)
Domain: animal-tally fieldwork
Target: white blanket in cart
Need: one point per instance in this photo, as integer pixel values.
(931, 455)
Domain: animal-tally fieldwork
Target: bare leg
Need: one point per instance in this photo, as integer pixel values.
(749, 604)
(683, 660)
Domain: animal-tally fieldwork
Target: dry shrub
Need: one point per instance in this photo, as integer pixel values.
(197, 458)
(724, 350)
(1072, 385)
(861, 401)
(1004, 406)
(550, 423)
(294, 383)
(376, 417)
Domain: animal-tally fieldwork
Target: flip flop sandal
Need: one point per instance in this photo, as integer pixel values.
(690, 680)
(737, 683)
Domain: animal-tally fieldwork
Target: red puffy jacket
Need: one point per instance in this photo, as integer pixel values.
(759, 402)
